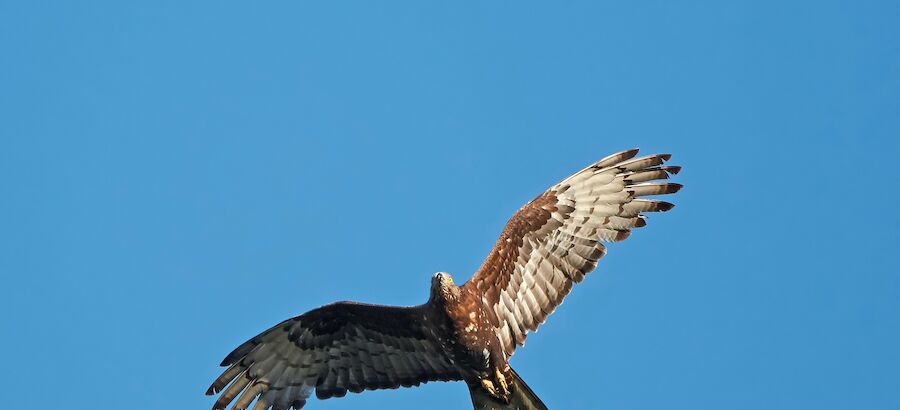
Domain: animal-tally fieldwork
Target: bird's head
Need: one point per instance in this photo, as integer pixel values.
(442, 287)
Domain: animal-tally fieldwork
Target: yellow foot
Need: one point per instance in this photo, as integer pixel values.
(489, 386)
(503, 385)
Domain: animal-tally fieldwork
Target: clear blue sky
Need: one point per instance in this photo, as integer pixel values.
(178, 176)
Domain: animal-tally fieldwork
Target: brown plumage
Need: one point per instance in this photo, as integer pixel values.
(463, 332)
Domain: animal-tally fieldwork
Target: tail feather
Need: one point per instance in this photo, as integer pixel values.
(523, 398)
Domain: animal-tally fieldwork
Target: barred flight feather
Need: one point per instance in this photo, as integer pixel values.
(557, 237)
(334, 349)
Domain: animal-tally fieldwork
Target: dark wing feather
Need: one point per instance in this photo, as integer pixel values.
(333, 349)
(554, 240)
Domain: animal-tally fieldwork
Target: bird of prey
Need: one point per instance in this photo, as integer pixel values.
(466, 332)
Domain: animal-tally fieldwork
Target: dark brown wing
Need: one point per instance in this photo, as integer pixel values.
(332, 349)
(554, 240)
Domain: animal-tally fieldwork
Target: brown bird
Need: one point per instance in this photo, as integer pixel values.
(463, 332)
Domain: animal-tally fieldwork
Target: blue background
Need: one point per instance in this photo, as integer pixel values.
(178, 176)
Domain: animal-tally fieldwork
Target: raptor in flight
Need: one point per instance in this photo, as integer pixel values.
(466, 332)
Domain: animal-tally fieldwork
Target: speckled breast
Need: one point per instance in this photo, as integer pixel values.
(475, 345)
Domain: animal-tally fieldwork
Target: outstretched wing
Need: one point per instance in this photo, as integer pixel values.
(554, 240)
(335, 348)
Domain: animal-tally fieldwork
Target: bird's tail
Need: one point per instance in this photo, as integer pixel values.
(522, 398)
